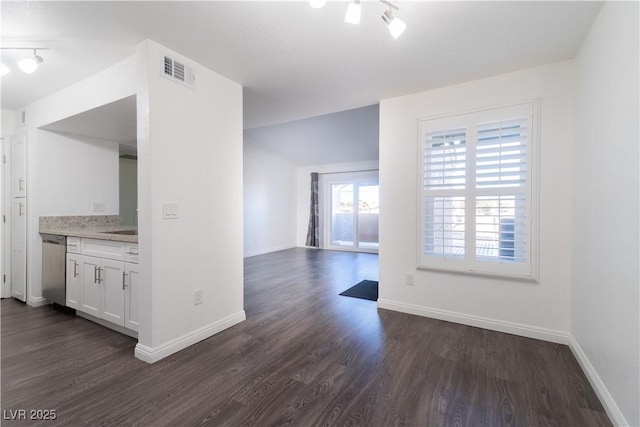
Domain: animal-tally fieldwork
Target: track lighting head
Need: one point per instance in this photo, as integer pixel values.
(353, 13)
(395, 25)
(29, 65)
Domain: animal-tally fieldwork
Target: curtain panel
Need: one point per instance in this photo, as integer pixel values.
(313, 232)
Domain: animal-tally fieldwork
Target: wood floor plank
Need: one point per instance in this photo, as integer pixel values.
(305, 356)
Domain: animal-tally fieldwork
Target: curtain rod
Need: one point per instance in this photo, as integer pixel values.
(364, 170)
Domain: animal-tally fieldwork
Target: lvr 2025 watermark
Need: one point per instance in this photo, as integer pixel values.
(29, 414)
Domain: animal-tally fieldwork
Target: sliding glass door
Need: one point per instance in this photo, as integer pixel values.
(342, 215)
(352, 220)
(368, 210)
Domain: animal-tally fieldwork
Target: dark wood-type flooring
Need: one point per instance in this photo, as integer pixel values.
(305, 357)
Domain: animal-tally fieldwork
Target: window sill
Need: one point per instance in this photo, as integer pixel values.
(527, 278)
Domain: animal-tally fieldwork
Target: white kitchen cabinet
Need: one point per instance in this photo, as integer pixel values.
(73, 280)
(19, 166)
(103, 248)
(132, 297)
(112, 278)
(107, 288)
(90, 289)
(19, 249)
(101, 288)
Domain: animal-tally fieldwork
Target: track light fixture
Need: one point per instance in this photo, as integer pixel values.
(27, 65)
(395, 25)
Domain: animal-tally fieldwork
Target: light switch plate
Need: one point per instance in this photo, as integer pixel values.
(197, 296)
(411, 279)
(170, 211)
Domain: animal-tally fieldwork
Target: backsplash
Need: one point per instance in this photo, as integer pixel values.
(78, 222)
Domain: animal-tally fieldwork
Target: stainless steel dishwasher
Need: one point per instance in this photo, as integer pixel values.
(54, 250)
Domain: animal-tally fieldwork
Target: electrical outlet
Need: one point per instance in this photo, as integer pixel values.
(411, 279)
(98, 206)
(170, 211)
(197, 296)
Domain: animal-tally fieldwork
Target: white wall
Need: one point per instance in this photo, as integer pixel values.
(304, 191)
(72, 172)
(605, 292)
(8, 123)
(69, 173)
(269, 201)
(189, 153)
(532, 309)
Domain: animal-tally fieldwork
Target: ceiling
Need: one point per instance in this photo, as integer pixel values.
(294, 62)
(116, 122)
(347, 136)
(99, 122)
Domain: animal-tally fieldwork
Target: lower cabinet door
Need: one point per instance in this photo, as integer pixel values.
(90, 288)
(113, 283)
(74, 281)
(132, 297)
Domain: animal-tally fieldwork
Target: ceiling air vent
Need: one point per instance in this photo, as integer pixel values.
(178, 71)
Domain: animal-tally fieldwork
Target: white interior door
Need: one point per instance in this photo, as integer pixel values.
(19, 166)
(7, 207)
(19, 249)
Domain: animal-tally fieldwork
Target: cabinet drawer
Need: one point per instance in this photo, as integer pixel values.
(103, 249)
(73, 245)
(132, 253)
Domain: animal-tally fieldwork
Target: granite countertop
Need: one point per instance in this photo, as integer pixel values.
(93, 227)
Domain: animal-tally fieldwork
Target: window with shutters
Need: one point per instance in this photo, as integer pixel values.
(477, 179)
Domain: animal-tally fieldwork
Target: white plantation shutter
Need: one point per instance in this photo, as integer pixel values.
(501, 159)
(476, 180)
(501, 228)
(444, 226)
(445, 159)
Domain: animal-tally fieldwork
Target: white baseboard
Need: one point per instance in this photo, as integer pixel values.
(154, 354)
(614, 413)
(269, 250)
(37, 301)
(544, 334)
